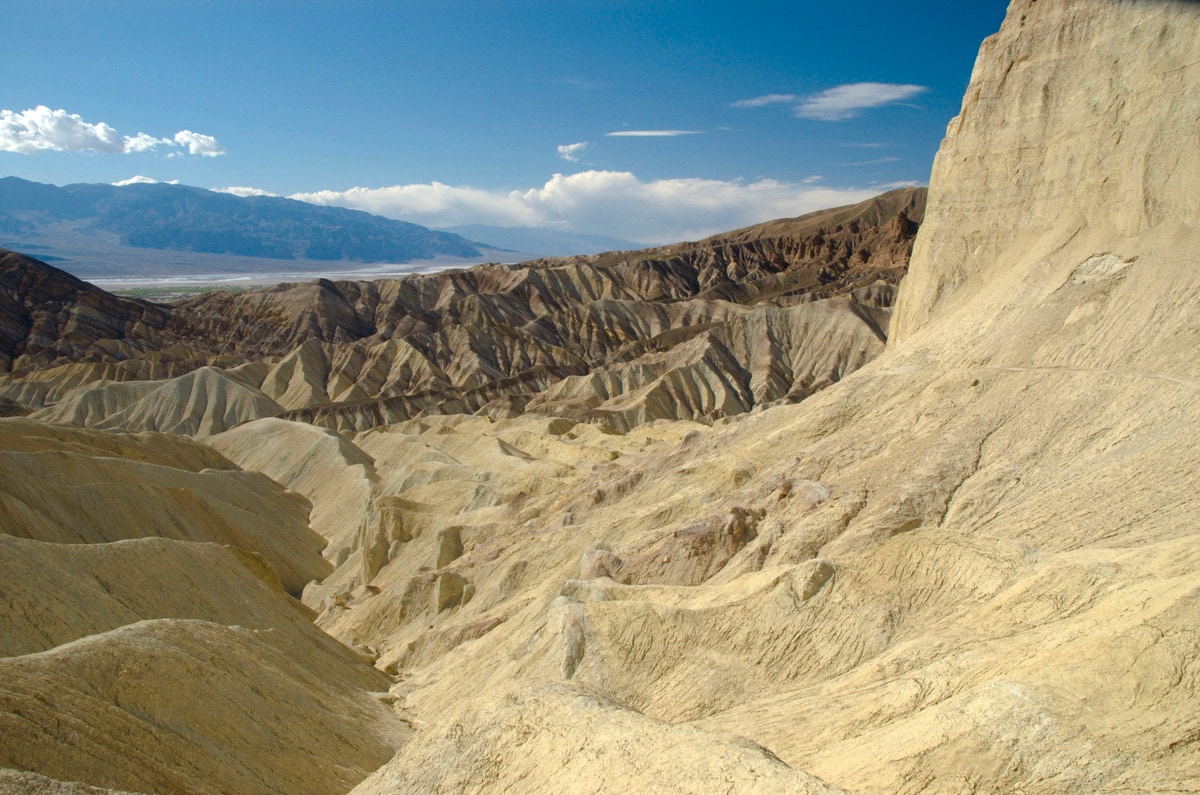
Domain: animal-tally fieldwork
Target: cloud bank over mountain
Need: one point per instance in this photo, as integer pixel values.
(600, 202)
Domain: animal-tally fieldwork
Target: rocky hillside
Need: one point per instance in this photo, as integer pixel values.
(49, 316)
(970, 565)
(702, 330)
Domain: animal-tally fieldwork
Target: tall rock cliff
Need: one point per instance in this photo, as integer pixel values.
(1077, 138)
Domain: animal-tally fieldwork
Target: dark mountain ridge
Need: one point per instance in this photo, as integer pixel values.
(182, 218)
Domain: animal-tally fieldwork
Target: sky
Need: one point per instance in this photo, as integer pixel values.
(653, 121)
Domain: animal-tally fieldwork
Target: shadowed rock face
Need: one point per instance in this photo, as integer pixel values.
(766, 314)
(48, 316)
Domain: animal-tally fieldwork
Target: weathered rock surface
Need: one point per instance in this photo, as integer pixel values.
(596, 745)
(332, 473)
(173, 705)
(47, 314)
(969, 565)
(13, 782)
(200, 403)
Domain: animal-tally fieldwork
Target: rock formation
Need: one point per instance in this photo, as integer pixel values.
(47, 315)
(71, 486)
(968, 565)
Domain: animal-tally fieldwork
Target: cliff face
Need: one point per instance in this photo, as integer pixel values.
(1072, 142)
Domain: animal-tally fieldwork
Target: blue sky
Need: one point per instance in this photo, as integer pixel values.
(511, 113)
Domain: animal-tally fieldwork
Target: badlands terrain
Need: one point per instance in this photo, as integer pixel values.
(739, 515)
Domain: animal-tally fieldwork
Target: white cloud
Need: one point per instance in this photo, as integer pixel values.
(199, 144)
(237, 190)
(615, 203)
(769, 99)
(571, 151)
(844, 102)
(875, 162)
(144, 143)
(652, 133)
(142, 180)
(434, 204)
(911, 183)
(42, 129)
(838, 103)
(137, 180)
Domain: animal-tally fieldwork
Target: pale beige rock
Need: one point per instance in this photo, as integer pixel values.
(57, 593)
(200, 403)
(452, 591)
(982, 575)
(558, 739)
(174, 705)
(299, 379)
(13, 782)
(160, 665)
(450, 547)
(971, 565)
(328, 469)
(71, 485)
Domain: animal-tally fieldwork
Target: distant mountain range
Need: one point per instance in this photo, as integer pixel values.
(160, 230)
(181, 218)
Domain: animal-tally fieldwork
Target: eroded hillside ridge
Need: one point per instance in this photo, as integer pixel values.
(1044, 142)
(699, 330)
(47, 315)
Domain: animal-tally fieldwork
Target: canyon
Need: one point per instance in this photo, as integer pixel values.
(898, 497)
